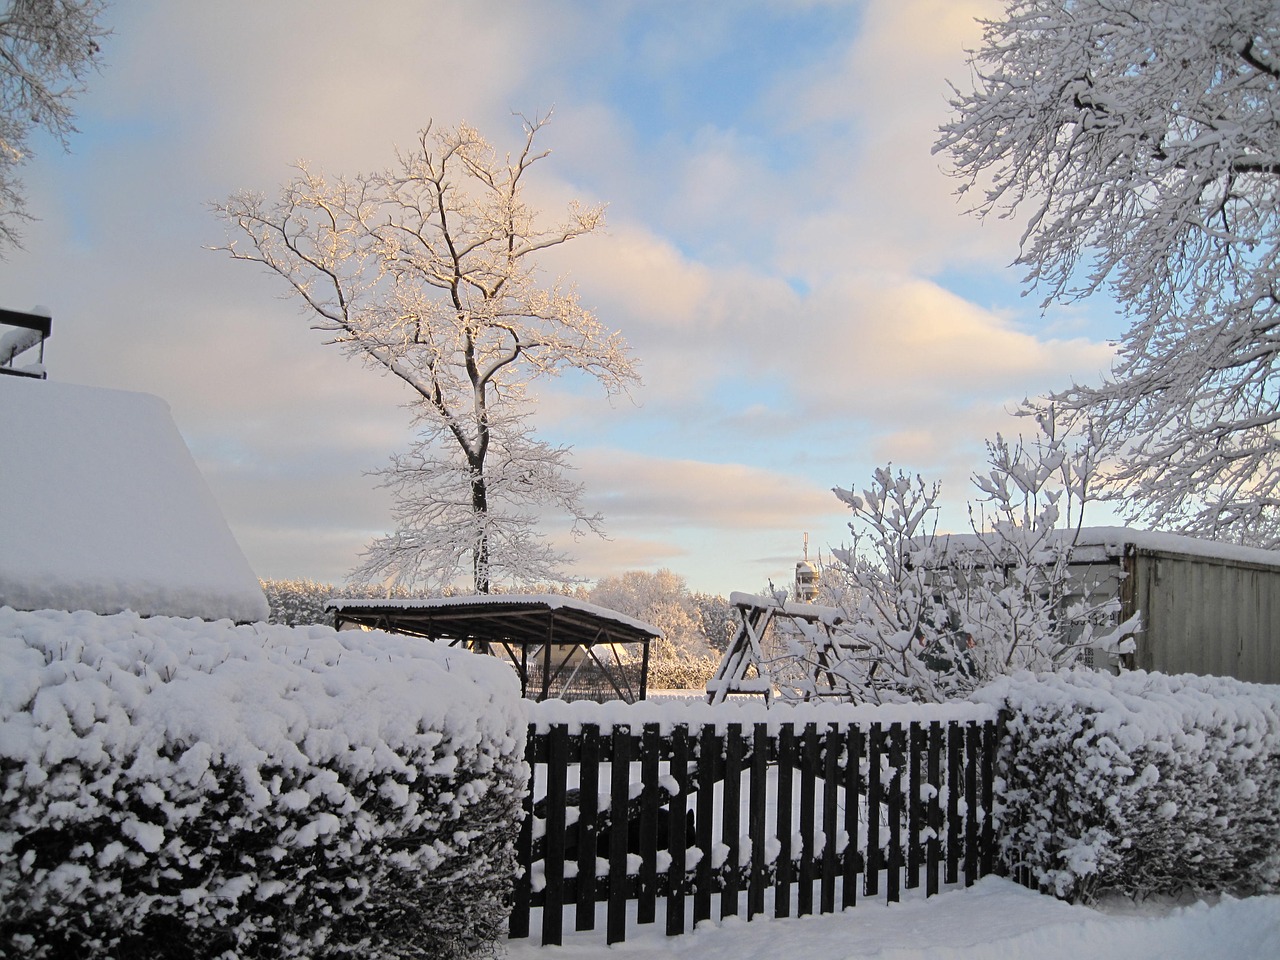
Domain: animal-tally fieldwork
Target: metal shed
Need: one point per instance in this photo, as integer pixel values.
(1207, 607)
(560, 647)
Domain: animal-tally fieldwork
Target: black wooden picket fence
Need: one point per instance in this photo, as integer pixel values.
(657, 817)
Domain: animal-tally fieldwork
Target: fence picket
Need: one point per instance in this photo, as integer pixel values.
(933, 817)
(756, 820)
(915, 806)
(955, 761)
(709, 765)
(676, 842)
(971, 804)
(588, 826)
(619, 802)
(553, 854)
(731, 834)
(786, 775)
(808, 772)
(897, 759)
(830, 823)
(647, 910)
(875, 746)
(852, 802)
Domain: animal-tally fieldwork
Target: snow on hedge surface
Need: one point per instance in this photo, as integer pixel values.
(104, 509)
(1142, 783)
(252, 788)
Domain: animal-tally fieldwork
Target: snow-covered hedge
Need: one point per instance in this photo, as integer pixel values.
(1142, 783)
(180, 788)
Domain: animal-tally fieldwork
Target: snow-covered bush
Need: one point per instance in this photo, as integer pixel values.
(181, 788)
(931, 616)
(1142, 783)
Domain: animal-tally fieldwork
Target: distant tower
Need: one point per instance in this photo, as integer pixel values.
(806, 577)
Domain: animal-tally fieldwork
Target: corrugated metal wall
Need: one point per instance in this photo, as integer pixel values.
(1206, 616)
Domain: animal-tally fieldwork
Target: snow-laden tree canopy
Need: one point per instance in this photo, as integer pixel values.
(47, 48)
(428, 271)
(1140, 140)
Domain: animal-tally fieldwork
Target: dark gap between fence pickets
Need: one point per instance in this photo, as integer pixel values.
(911, 774)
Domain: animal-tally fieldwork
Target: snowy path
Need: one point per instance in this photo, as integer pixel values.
(993, 920)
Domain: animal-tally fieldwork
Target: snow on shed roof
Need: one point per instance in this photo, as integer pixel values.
(1099, 543)
(493, 613)
(103, 508)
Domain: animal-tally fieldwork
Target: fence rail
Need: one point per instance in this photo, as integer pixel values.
(763, 812)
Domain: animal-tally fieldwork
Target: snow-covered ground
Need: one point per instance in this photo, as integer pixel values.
(993, 920)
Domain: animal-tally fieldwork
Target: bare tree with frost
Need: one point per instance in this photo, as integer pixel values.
(47, 48)
(1141, 140)
(427, 272)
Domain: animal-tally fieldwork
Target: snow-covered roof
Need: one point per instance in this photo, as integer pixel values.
(494, 605)
(1095, 544)
(103, 508)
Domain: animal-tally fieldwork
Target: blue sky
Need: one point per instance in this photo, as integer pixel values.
(806, 298)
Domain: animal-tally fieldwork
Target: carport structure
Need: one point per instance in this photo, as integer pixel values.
(559, 646)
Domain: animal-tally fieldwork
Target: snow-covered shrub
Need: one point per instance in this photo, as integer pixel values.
(181, 788)
(1142, 783)
(931, 616)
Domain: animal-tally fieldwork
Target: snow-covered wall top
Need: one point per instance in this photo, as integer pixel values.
(1099, 543)
(102, 508)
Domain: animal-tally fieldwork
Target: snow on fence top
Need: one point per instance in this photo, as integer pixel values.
(103, 509)
(673, 711)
